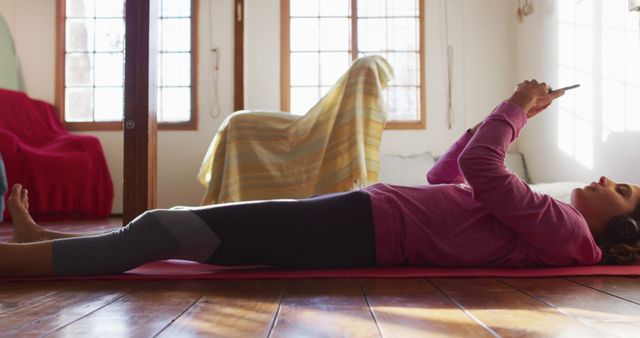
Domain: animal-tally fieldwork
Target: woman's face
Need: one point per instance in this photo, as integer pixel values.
(601, 201)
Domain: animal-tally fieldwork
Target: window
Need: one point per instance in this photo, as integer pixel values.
(598, 48)
(320, 39)
(90, 65)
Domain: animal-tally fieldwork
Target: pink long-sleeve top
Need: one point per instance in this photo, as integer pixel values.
(475, 212)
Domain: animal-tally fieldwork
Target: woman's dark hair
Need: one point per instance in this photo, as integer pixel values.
(620, 244)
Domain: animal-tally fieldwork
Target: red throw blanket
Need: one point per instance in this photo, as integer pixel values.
(66, 174)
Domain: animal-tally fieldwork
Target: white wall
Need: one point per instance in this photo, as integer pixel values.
(571, 141)
(481, 33)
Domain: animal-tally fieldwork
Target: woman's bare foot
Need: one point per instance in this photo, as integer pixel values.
(25, 229)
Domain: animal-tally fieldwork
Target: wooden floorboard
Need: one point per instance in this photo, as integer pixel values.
(231, 309)
(415, 308)
(324, 308)
(146, 309)
(57, 310)
(15, 296)
(626, 288)
(608, 313)
(509, 312)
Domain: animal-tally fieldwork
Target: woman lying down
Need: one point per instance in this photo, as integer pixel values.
(474, 213)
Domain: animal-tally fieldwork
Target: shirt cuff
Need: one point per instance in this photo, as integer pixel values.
(513, 113)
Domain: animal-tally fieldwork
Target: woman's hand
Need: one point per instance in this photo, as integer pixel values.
(533, 97)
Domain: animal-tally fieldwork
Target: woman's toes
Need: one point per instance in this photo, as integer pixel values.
(15, 190)
(24, 197)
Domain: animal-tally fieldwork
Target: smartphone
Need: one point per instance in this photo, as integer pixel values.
(563, 88)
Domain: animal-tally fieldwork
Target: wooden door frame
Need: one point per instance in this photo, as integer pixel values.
(238, 48)
(140, 124)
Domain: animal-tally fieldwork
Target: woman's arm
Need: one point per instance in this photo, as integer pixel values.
(543, 222)
(446, 170)
(482, 161)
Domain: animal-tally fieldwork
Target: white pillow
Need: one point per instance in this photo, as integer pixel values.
(558, 190)
(405, 170)
(515, 163)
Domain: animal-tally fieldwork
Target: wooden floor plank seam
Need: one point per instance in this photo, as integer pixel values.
(32, 303)
(179, 315)
(277, 314)
(467, 313)
(603, 291)
(373, 315)
(83, 316)
(553, 306)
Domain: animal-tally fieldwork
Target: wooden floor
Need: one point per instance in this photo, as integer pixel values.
(467, 307)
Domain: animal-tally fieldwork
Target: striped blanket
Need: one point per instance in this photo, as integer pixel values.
(334, 147)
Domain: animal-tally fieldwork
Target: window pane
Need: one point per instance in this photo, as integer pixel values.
(566, 11)
(566, 44)
(334, 34)
(372, 35)
(176, 8)
(109, 69)
(79, 104)
(632, 55)
(332, 66)
(304, 69)
(110, 9)
(584, 47)
(406, 68)
(584, 12)
(159, 104)
(585, 97)
(323, 92)
(631, 21)
(79, 8)
(404, 8)
(304, 7)
(372, 8)
(78, 69)
(176, 104)
(334, 7)
(79, 35)
(302, 99)
(566, 75)
(403, 34)
(109, 104)
(176, 69)
(304, 34)
(175, 35)
(613, 14)
(612, 54)
(613, 104)
(402, 103)
(109, 35)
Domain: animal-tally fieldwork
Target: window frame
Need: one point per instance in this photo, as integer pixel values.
(60, 88)
(285, 62)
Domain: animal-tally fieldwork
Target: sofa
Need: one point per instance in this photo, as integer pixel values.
(411, 171)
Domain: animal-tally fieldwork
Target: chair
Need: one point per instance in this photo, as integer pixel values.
(334, 147)
(66, 174)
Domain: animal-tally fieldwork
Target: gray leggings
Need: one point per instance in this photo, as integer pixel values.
(154, 235)
(326, 231)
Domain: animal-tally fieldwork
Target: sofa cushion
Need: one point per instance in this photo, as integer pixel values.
(405, 170)
(411, 170)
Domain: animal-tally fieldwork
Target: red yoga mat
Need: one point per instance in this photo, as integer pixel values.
(183, 270)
